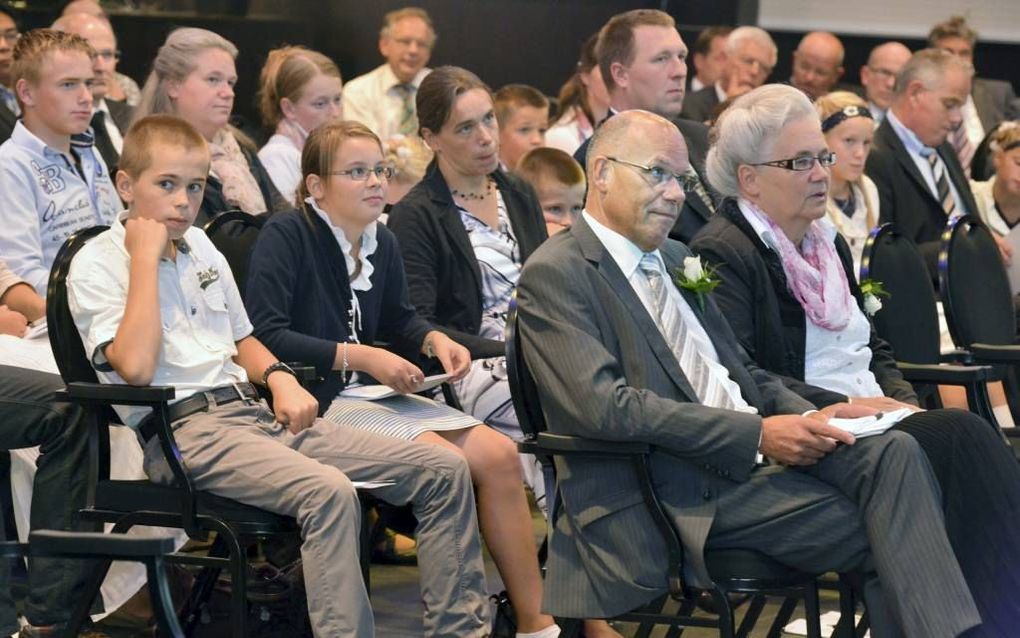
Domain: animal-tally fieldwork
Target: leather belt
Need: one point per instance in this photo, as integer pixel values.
(199, 402)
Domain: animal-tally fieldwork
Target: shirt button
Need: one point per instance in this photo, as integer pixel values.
(860, 381)
(193, 310)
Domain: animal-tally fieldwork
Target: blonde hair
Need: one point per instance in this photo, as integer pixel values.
(1006, 137)
(149, 131)
(827, 105)
(549, 163)
(409, 157)
(321, 147)
(393, 17)
(32, 48)
(285, 74)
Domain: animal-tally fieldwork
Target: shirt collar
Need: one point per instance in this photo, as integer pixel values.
(390, 79)
(764, 231)
(29, 140)
(910, 140)
(624, 252)
(369, 243)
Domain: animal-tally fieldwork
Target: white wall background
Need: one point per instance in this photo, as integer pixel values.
(994, 20)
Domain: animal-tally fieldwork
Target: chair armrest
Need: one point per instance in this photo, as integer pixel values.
(984, 352)
(947, 374)
(116, 394)
(564, 444)
(98, 545)
(956, 355)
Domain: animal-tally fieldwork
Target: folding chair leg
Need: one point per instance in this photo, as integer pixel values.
(812, 611)
(751, 615)
(162, 602)
(238, 584)
(783, 616)
(847, 609)
(80, 613)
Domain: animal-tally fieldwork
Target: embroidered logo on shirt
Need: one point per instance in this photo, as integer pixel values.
(206, 277)
(49, 178)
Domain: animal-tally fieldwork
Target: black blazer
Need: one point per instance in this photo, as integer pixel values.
(298, 295)
(695, 213)
(7, 121)
(122, 114)
(904, 197)
(214, 203)
(700, 105)
(994, 101)
(443, 276)
(767, 319)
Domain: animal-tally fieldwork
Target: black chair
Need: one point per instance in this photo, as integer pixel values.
(979, 303)
(150, 552)
(908, 321)
(732, 571)
(234, 233)
(130, 503)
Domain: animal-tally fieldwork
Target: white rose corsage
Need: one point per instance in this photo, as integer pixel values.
(872, 291)
(697, 278)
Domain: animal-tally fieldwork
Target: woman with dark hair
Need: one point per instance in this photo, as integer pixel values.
(583, 103)
(193, 77)
(326, 283)
(788, 291)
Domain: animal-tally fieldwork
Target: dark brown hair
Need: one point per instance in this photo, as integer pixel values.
(573, 93)
(438, 92)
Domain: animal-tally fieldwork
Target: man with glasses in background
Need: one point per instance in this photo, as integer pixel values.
(920, 181)
(110, 118)
(384, 99)
(750, 57)
(9, 109)
(817, 64)
(878, 76)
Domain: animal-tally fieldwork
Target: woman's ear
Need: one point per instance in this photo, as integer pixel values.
(315, 186)
(287, 108)
(429, 138)
(747, 180)
(173, 90)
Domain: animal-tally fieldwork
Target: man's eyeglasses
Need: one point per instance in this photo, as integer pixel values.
(109, 55)
(659, 176)
(11, 35)
(361, 173)
(803, 163)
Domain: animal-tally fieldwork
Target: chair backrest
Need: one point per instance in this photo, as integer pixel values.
(234, 233)
(68, 349)
(975, 287)
(523, 390)
(908, 319)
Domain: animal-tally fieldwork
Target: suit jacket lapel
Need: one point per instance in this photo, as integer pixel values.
(608, 268)
(892, 141)
(955, 172)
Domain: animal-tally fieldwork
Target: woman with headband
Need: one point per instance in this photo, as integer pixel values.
(849, 127)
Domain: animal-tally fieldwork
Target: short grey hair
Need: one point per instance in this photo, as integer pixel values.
(929, 66)
(745, 132)
(751, 34)
(174, 62)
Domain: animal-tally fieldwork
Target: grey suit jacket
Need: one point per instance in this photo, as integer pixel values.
(995, 101)
(698, 106)
(605, 372)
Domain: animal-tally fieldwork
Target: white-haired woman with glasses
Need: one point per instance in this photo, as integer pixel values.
(788, 291)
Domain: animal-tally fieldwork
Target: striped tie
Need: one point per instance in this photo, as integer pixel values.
(944, 193)
(671, 324)
(408, 119)
(700, 190)
(964, 149)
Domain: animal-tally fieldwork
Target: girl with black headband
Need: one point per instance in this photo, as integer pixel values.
(849, 127)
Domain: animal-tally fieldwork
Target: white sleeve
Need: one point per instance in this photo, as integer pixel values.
(21, 241)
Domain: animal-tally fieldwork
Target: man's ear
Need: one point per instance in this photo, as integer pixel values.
(599, 178)
(620, 74)
(25, 92)
(315, 186)
(125, 187)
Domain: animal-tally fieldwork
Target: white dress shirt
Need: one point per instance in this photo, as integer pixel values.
(837, 360)
(972, 123)
(282, 161)
(111, 127)
(374, 100)
(199, 306)
(628, 256)
(914, 148)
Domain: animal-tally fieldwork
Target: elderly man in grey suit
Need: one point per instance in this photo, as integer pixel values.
(619, 353)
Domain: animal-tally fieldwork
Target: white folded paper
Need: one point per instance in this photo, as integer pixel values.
(871, 425)
(376, 392)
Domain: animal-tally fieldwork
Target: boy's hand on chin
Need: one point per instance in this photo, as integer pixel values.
(145, 238)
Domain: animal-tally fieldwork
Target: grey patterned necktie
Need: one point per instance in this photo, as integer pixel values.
(945, 194)
(408, 118)
(671, 324)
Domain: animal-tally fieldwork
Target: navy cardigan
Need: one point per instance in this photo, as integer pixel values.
(442, 270)
(298, 296)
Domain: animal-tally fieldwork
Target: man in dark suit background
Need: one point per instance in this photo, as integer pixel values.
(708, 57)
(110, 118)
(918, 175)
(620, 353)
(642, 59)
(751, 55)
(9, 111)
(990, 101)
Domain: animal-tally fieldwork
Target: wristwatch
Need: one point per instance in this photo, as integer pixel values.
(279, 365)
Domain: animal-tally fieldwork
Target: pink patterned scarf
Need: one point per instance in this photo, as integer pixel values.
(230, 166)
(814, 274)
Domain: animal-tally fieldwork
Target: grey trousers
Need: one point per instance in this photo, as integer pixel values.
(877, 501)
(239, 452)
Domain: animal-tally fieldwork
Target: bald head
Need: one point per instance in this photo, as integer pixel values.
(99, 34)
(89, 7)
(817, 63)
(878, 76)
(632, 163)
